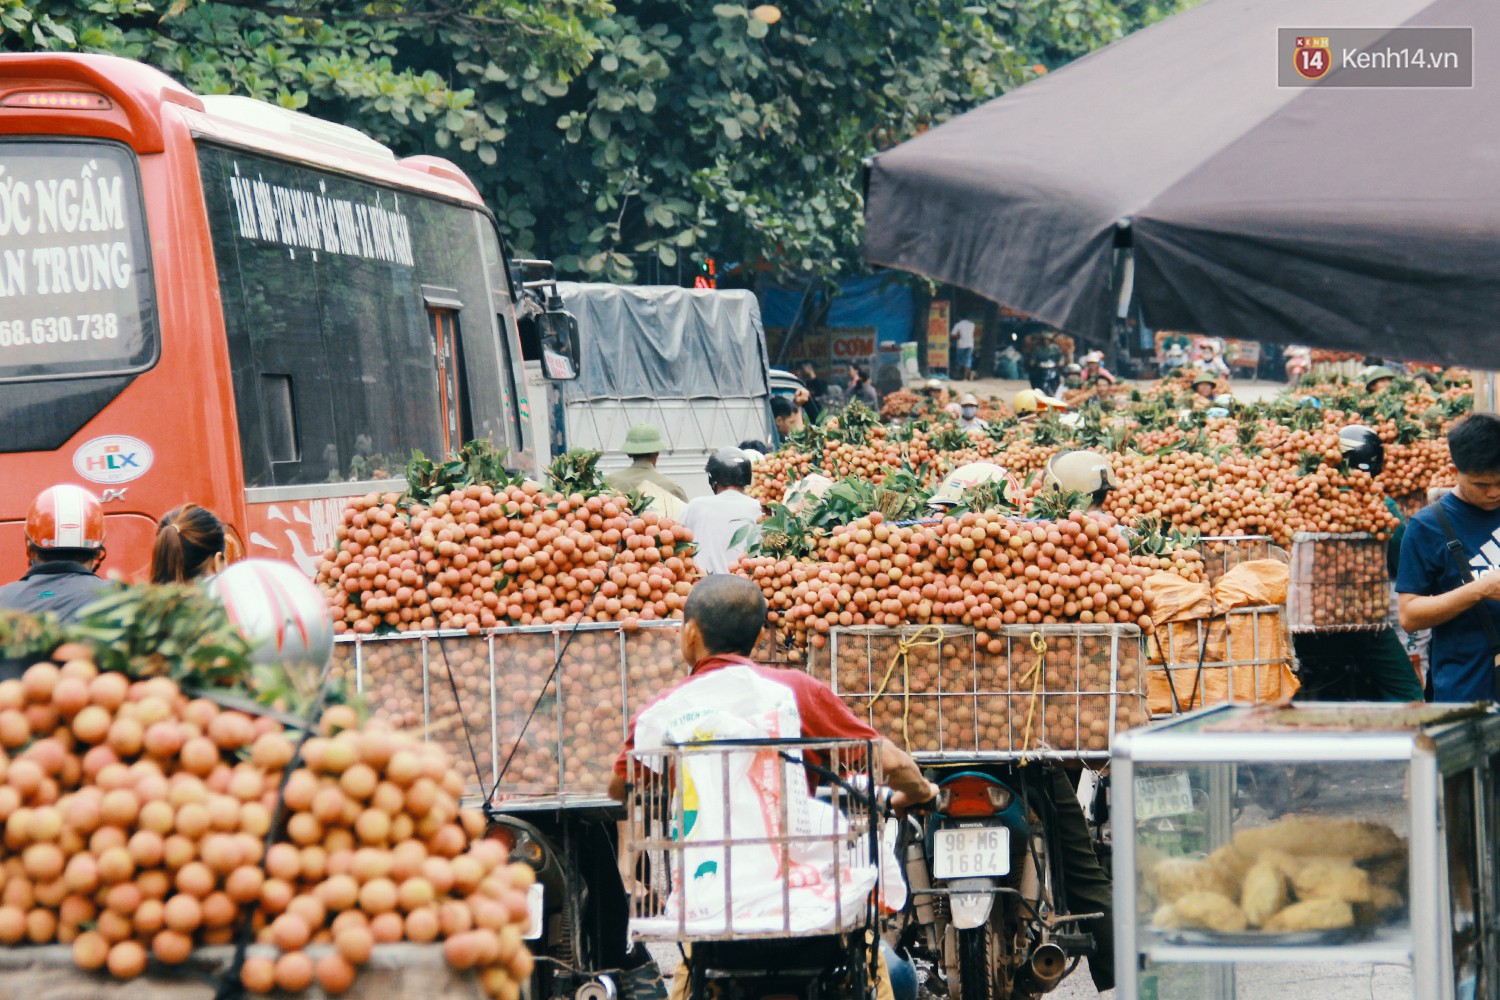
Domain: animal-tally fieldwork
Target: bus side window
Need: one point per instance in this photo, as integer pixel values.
(279, 418)
(447, 350)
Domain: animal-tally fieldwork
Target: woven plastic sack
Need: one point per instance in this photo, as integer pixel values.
(1195, 625)
(1259, 581)
(759, 785)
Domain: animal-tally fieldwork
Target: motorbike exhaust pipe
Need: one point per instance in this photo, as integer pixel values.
(1044, 968)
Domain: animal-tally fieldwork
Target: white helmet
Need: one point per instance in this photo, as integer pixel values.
(807, 491)
(966, 477)
(1079, 471)
(1032, 401)
(280, 612)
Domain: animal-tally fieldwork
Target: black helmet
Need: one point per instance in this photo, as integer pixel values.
(728, 467)
(1362, 449)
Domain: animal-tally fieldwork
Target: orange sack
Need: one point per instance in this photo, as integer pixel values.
(1227, 643)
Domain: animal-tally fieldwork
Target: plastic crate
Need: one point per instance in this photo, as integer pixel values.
(1222, 553)
(1339, 583)
(518, 731)
(1055, 691)
(1242, 655)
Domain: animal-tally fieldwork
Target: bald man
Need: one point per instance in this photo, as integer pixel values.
(721, 623)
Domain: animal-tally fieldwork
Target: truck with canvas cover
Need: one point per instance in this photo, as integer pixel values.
(690, 361)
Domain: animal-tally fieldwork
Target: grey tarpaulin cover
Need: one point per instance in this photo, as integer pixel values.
(1365, 219)
(661, 342)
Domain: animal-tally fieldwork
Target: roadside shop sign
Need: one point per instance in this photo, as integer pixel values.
(937, 334)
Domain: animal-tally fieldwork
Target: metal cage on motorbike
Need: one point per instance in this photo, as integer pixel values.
(1239, 655)
(1029, 691)
(729, 842)
(1340, 583)
(1222, 553)
(533, 715)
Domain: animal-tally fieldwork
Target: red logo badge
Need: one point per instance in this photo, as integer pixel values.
(1311, 57)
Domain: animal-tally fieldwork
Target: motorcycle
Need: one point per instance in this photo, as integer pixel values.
(578, 904)
(1045, 376)
(985, 914)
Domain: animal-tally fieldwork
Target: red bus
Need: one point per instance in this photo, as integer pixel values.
(213, 299)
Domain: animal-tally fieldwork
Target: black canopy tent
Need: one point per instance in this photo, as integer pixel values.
(1362, 219)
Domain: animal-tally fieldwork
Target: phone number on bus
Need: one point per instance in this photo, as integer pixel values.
(59, 329)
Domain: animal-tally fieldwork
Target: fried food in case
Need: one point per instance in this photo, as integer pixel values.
(1178, 877)
(1313, 915)
(1299, 873)
(1208, 911)
(1357, 840)
(1332, 878)
(1264, 892)
(1232, 865)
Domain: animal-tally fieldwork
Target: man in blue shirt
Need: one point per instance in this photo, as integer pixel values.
(1448, 580)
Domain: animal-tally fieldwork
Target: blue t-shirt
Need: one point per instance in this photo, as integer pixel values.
(1463, 665)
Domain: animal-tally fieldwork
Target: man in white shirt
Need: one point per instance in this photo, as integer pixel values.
(963, 348)
(714, 521)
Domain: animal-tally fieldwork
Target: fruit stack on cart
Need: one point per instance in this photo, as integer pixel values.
(1339, 583)
(1058, 692)
(533, 716)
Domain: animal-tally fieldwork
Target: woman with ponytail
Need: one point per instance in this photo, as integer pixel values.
(190, 545)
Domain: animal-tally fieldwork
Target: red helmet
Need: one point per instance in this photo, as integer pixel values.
(65, 517)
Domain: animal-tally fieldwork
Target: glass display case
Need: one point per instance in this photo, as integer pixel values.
(1325, 848)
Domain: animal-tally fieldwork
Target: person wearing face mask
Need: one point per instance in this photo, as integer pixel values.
(968, 413)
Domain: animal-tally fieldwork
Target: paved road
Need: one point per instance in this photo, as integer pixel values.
(1325, 982)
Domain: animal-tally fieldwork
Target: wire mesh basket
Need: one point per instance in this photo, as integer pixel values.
(1240, 655)
(1339, 583)
(773, 648)
(729, 842)
(1222, 553)
(1058, 691)
(540, 712)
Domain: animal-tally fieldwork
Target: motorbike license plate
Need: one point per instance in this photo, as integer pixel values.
(1168, 795)
(534, 911)
(971, 852)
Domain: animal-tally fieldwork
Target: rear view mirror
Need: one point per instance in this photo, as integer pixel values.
(559, 336)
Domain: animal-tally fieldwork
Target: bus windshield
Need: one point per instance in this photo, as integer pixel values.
(75, 272)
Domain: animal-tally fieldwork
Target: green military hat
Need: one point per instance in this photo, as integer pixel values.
(1374, 374)
(643, 439)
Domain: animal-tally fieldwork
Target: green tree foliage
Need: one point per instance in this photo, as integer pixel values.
(599, 132)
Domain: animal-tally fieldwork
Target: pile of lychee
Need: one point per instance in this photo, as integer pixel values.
(136, 821)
